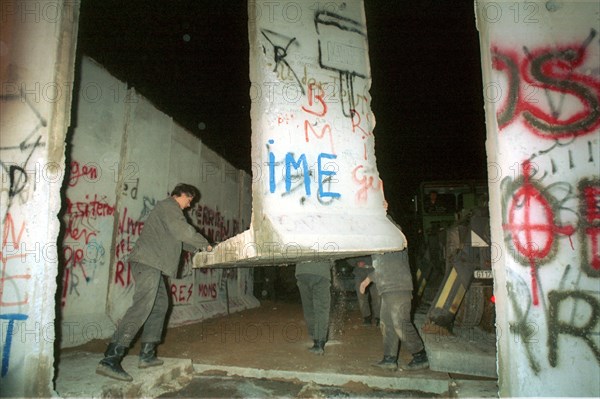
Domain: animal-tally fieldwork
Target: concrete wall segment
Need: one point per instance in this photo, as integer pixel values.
(90, 210)
(313, 152)
(115, 168)
(541, 68)
(36, 75)
(126, 155)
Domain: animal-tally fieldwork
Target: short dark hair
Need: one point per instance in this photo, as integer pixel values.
(186, 189)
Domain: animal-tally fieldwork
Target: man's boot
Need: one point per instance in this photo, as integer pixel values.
(318, 348)
(388, 363)
(148, 356)
(419, 361)
(366, 321)
(110, 366)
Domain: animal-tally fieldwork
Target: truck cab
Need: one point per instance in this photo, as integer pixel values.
(452, 272)
(438, 206)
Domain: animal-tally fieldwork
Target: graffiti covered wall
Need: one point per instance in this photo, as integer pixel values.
(36, 75)
(89, 210)
(125, 155)
(541, 67)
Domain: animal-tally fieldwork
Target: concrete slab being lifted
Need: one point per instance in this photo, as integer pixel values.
(316, 191)
(293, 239)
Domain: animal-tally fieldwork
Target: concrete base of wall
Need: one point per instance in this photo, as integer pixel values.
(77, 378)
(469, 351)
(188, 314)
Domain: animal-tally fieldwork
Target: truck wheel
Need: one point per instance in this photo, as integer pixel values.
(471, 308)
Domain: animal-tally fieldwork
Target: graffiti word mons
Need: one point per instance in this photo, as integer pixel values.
(207, 290)
(301, 163)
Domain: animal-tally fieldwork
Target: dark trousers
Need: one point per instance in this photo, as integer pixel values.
(396, 325)
(148, 310)
(316, 302)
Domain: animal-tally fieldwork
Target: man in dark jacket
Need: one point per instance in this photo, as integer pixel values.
(394, 283)
(156, 254)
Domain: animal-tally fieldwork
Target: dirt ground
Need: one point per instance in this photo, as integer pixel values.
(273, 336)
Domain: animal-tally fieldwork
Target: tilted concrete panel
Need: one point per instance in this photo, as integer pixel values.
(316, 189)
(541, 84)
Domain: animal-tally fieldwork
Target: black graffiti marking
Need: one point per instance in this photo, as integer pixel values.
(561, 143)
(73, 283)
(346, 72)
(16, 185)
(554, 146)
(521, 327)
(342, 23)
(556, 327)
(571, 163)
(350, 90)
(297, 181)
(327, 181)
(281, 52)
(564, 277)
(41, 122)
(23, 98)
(564, 86)
(24, 145)
(571, 160)
(506, 63)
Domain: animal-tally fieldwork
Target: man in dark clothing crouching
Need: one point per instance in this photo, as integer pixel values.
(156, 254)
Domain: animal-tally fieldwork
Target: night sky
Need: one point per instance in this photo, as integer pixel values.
(190, 58)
